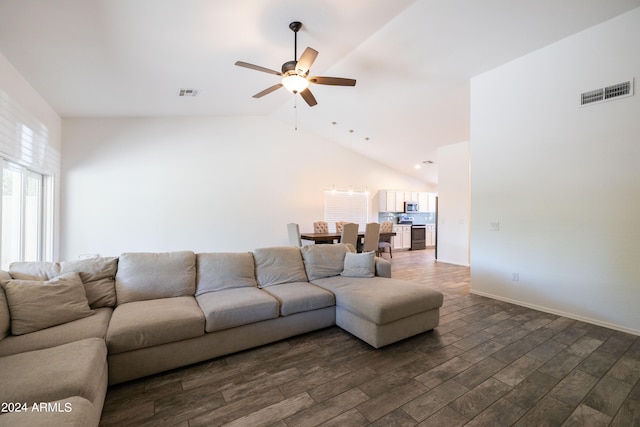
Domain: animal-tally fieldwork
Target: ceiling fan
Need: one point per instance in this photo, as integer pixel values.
(295, 74)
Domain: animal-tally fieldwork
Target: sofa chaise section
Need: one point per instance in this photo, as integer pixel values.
(381, 311)
(62, 385)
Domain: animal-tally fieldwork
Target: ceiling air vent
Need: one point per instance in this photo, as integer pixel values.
(619, 90)
(188, 92)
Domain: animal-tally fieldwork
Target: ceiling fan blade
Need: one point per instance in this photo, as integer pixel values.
(334, 81)
(308, 97)
(267, 90)
(257, 68)
(306, 60)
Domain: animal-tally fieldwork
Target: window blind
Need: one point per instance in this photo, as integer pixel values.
(24, 139)
(348, 206)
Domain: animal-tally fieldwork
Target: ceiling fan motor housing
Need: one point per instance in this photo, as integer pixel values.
(288, 66)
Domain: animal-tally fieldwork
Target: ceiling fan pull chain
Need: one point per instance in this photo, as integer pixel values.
(295, 112)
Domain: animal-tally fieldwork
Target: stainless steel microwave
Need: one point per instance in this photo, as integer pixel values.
(410, 207)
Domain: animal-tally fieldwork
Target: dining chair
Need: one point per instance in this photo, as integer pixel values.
(339, 225)
(371, 237)
(321, 227)
(349, 234)
(385, 241)
(294, 234)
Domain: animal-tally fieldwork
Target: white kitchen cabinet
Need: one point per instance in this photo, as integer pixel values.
(399, 203)
(406, 237)
(387, 201)
(427, 202)
(430, 235)
(402, 239)
(393, 200)
(423, 202)
(396, 240)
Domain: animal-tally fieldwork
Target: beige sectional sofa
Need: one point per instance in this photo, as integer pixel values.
(70, 329)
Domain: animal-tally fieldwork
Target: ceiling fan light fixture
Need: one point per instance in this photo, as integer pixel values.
(294, 83)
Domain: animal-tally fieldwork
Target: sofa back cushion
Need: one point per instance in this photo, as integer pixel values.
(34, 270)
(144, 276)
(98, 276)
(5, 318)
(279, 265)
(218, 271)
(323, 260)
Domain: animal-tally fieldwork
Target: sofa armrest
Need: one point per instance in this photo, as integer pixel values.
(383, 267)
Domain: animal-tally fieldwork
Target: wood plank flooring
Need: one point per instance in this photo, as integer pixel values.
(489, 363)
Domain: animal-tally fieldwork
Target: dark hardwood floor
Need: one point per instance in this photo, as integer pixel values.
(489, 363)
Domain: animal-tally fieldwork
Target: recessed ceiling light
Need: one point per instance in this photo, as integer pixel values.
(417, 166)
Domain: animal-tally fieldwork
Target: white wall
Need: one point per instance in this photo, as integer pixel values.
(453, 203)
(200, 183)
(13, 84)
(562, 181)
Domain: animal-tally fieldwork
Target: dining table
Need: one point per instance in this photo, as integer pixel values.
(326, 237)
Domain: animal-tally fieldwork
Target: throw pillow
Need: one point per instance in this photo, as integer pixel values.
(36, 305)
(98, 274)
(34, 270)
(359, 265)
(5, 318)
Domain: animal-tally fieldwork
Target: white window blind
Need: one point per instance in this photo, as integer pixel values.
(29, 165)
(349, 206)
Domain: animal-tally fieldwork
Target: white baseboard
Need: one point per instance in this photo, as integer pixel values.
(560, 313)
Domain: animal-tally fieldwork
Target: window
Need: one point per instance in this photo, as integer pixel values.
(29, 165)
(349, 206)
(22, 237)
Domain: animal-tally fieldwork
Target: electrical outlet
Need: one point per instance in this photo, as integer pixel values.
(515, 277)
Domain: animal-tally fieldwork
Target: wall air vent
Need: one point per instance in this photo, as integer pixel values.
(619, 90)
(188, 92)
(592, 96)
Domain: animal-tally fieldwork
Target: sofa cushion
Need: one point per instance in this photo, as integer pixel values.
(142, 324)
(359, 265)
(381, 300)
(218, 271)
(34, 270)
(73, 369)
(94, 326)
(300, 296)
(145, 276)
(98, 276)
(279, 265)
(36, 305)
(234, 307)
(323, 260)
(5, 319)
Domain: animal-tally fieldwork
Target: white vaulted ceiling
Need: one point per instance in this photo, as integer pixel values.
(412, 60)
